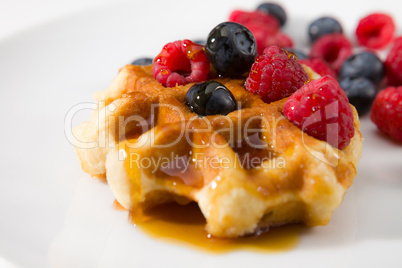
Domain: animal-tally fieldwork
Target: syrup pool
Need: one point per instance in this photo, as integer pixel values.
(184, 225)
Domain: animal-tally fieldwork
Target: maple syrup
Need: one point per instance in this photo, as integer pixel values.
(184, 225)
(252, 151)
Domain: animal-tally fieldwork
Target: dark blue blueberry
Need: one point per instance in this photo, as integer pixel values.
(322, 26)
(360, 91)
(209, 98)
(300, 54)
(275, 10)
(231, 49)
(363, 64)
(142, 61)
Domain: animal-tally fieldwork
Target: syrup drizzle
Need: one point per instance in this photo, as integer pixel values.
(184, 225)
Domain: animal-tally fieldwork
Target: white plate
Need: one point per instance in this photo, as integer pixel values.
(55, 215)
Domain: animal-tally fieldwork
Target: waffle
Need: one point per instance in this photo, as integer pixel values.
(248, 171)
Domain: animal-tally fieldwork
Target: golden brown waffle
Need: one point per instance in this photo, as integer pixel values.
(248, 170)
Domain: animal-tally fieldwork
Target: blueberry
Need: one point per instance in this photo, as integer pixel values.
(209, 98)
(231, 49)
(322, 26)
(363, 64)
(360, 91)
(275, 10)
(142, 61)
(300, 54)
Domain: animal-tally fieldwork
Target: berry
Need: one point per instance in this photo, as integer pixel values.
(275, 10)
(264, 27)
(360, 91)
(323, 26)
(279, 39)
(375, 31)
(300, 54)
(142, 61)
(393, 64)
(259, 19)
(318, 66)
(321, 109)
(179, 63)
(261, 25)
(209, 98)
(259, 34)
(275, 74)
(386, 112)
(231, 49)
(364, 64)
(332, 48)
(397, 41)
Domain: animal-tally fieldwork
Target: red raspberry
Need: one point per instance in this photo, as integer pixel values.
(397, 41)
(275, 74)
(257, 18)
(264, 27)
(375, 31)
(279, 39)
(393, 64)
(334, 49)
(318, 66)
(179, 63)
(321, 109)
(386, 112)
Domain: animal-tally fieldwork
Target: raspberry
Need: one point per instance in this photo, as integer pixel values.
(393, 64)
(321, 109)
(397, 41)
(263, 26)
(179, 63)
(318, 66)
(333, 49)
(265, 39)
(275, 74)
(386, 112)
(279, 39)
(375, 31)
(257, 18)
